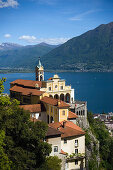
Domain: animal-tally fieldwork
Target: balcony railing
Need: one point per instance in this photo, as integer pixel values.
(75, 156)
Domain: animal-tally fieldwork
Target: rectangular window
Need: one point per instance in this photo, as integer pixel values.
(76, 151)
(76, 143)
(55, 148)
(26, 100)
(61, 87)
(76, 162)
(65, 140)
(49, 88)
(63, 112)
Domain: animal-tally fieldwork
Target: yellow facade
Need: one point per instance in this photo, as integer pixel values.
(63, 114)
(55, 114)
(56, 88)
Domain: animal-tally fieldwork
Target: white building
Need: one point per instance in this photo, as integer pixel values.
(69, 145)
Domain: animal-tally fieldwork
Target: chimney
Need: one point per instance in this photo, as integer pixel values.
(64, 124)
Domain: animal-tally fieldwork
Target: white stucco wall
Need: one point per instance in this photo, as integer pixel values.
(40, 116)
(55, 142)
(72, 166)
(69, 147)
(72, 95)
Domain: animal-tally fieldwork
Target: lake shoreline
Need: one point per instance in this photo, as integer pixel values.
(95, 88)
(4, 71)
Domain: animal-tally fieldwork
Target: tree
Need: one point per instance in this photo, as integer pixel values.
(4, 160)
(51, 163)
(105, 140)
(1, 84)
(23, 139)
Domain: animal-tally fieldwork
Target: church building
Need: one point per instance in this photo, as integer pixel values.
(52, 101)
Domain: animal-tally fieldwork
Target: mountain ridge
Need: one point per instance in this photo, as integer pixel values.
(91, 51)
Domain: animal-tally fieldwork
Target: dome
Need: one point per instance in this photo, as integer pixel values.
(56, 76)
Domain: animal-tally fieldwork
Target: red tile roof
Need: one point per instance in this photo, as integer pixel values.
(26, 91)
(33, 108)
(28, 83)
(62, 152)
(72, 115)
(68, 128)
(51, 78)
(52, 132)
(54, 102)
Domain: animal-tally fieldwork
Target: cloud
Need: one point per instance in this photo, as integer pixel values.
(28, 38)
(7, 35)
(33, 39)
(8, 3)
(80, 16)
(53, 41)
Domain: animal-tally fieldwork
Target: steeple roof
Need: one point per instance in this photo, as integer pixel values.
(39, 63)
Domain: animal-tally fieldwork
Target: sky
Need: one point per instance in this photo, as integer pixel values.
(51, 21)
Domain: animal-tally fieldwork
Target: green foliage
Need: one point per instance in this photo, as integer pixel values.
(51, 163)
(87, 140)
(21, 139)
(105, 140)
(24, 57)
(92, 164)
(91, 50)
(5, 164)
(1, 85)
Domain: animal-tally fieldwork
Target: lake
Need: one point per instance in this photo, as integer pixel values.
(95, 88)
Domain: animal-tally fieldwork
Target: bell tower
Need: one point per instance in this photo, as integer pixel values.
(39, 71)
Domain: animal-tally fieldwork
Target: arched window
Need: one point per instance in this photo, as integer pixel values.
(63, 112)
(51, 96)
(68, 98)
(56, 96)
(79, 112)
(62, 97)
(49, 88)
(83, 112)
(41, 78)
(51, 119)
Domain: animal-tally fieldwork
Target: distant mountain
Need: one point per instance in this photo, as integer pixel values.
(49, 45)
(9, 46)
(24, 57)
(42, 44)
(92, 50)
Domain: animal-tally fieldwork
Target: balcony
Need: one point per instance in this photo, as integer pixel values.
(74, 156)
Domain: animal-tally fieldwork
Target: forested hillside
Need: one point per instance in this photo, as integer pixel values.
(25, 57)
(91, 50)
